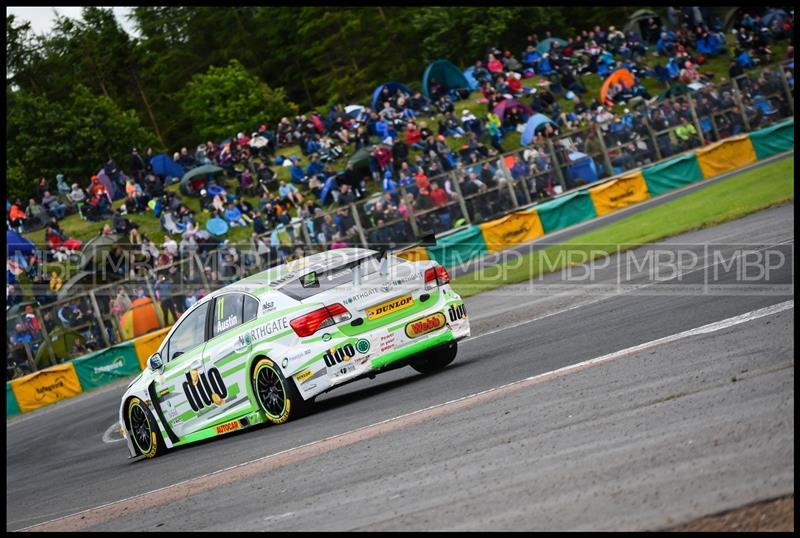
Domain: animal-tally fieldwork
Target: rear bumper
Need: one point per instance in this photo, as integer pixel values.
(415, 348)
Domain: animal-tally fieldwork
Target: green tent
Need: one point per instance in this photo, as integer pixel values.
(446, 74)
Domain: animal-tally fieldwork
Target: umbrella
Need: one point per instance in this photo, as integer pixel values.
(258, 142)
(330, 183)
(353, 110)
(206, 169)
(216, 226)
(200, 170)
(545, 44)
(140, 319)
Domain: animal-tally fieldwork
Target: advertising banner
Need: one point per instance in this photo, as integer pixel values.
(672, 174)
(518, 227)
(621, 192)
(457, 248)
(107, 365)
(415, 254)
(46, 386)
(773, 140)
(566, 211)
(727, 155)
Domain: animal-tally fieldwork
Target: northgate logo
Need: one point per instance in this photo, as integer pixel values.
(203, 389)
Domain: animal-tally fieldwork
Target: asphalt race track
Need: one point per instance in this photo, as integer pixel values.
(699, 422)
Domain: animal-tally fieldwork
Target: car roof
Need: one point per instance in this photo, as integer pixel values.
(281, 274)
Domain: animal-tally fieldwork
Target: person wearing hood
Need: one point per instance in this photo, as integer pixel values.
(61, 184)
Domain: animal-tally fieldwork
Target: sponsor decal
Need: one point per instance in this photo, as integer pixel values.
(304, 375)
(425, 325)
(264, 331)
(335, 355)
(225, 324)
(387, 342)
(625, 194)
(345, 369)
(119, 362)
(388, 307)
(457, 312)
(362, 346)
(228, 427)
(204, 389)
(326, 337)
(285, 362)
(267, 306)
(312, 386)
(383, 288)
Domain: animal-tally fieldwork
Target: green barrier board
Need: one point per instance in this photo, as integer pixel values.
(566, 211)
(773, 140)
(106, 366)
(11, 402)
(459, 247)
(670, 175)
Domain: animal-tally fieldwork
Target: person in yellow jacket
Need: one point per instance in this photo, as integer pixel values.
(55, 282)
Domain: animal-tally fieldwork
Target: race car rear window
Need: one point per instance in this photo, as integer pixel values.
(333, 277)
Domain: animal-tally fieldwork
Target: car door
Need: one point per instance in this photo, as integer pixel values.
(184, 387)
(226, 354)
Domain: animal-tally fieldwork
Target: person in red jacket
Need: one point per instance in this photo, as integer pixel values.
(413, 136)
(16, 216)
(438, 195)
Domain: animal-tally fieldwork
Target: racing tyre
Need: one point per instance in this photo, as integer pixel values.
(277, 396)
(143, 430)
(436, 359)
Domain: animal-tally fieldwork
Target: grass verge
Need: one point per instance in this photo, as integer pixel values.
(727, 200)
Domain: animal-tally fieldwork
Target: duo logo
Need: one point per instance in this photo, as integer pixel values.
(457, 312)
(203, 389)
(334, 355)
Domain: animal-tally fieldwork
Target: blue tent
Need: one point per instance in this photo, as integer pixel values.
(473, 82)
(18, 244)
(164, 166)
(545, 44)
(772, 15)
(447, 75)
(534, 122)
(392, 86)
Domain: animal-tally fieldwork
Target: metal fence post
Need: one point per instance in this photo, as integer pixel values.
(696, 120)
(509, 182)
(787, 89)
(99, 316)
(604, 150)
(359, 227)
(737, 94)
(196, 259)
(646, 120)
(410, 210)
(461, 203)
(156, 306)
(556, 165)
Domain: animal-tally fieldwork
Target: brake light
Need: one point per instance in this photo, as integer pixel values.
(309, 323)
(436, 276)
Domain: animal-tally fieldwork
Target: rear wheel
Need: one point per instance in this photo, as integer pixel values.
(277, 396)
(436, 359)
(144, 430)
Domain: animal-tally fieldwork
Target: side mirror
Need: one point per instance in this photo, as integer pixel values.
(155, 362)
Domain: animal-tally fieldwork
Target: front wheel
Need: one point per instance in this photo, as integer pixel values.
(277, 396)
(144, 430)
(436, 359)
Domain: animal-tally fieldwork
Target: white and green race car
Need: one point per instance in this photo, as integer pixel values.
(261, 349)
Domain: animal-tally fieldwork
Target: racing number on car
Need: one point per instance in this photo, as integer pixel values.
(203, 389)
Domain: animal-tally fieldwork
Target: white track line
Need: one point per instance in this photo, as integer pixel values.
(704, 329)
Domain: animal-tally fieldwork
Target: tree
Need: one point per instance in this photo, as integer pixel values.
(226, 100)
(74, 138)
